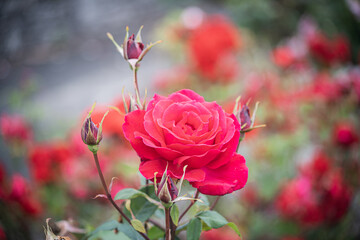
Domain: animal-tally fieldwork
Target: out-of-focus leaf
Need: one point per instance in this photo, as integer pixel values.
(155, 233)
(174, 213)
(124, 228)
(193, 229)
(142, 209)
(111, 225)
(128, 193)
(138, 225)
(235, 228)
(213, 219)
(109, 235)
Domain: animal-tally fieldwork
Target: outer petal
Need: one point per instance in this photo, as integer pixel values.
(226, 179)
(188, 93)
(133, 131)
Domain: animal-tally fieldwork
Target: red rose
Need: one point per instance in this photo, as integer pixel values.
(181, 130)
(212, 48)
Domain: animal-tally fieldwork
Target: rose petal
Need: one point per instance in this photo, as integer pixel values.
(132, 128)
(189, 94)
(226, 179)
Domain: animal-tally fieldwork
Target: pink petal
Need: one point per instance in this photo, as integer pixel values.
(226, 179)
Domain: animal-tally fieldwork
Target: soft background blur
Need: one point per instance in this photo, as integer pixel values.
(300, 59)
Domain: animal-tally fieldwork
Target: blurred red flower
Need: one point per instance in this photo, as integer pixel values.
(46, 161)
(319, 194)
(212, 48)
(345, 134)
(2, 234)
(14, 128)
(328, 51)
(219, 234)
(21, 193)
(283, 56)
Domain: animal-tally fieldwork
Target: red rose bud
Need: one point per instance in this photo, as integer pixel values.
(90, 134)
(245, 118)
(133, 48)
(167, 190)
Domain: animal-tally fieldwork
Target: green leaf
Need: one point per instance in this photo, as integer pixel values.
(138, 225)
(213, 219)
(107, 226)
(193, 229)
(142, 209)
(124, 228)
(174, 213)
(128, 193)
(109, 235)
(155, 233)
(235, 228)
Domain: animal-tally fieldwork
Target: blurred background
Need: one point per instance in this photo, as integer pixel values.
(299, 59)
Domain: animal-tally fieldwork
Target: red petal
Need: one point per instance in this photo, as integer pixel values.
(226, 179)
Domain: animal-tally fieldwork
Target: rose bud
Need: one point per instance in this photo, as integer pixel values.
(132, 49)
(167, 190)
(245, 118)
(90, 134)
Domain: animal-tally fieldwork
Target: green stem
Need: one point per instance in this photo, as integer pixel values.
(108, 195)
(215, 202)
(137, 93)
(167, 224)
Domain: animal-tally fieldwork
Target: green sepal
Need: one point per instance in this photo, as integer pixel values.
(93, 148)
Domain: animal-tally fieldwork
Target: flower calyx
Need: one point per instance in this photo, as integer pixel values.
(168, 192)
(133, 49)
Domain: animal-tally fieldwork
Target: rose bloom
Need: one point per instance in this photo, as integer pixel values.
(212, 48)
(299, 202)
(329, 51)
(22, 193)
(319, 194)
(46, 161)
(14, 128)
(2, 234)
(283, 56)
(185, 130)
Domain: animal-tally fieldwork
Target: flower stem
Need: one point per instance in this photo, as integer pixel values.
(137, 92)
(167, 224)
(191, 204)
(215, 202)
(108, 195)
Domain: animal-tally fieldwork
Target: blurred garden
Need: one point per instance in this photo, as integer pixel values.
(275, 84)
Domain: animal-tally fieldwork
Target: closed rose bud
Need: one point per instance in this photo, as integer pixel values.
(90, 134)
(245, 118)
(134, 48)
(167, 190)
